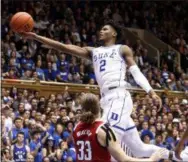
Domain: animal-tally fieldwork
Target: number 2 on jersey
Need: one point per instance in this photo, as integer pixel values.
(102, 65)
(84, 150)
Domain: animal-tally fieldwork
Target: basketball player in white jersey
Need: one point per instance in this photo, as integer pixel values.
(110, 63)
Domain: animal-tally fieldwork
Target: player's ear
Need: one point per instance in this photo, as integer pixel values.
(114, 34)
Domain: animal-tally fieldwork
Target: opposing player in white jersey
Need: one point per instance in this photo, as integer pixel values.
(110, 63)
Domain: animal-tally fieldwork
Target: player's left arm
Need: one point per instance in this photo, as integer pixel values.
(140, 79)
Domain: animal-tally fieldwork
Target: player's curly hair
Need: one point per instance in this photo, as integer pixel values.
(90, 108)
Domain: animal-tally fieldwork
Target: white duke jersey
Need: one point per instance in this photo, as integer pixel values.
(109, 67)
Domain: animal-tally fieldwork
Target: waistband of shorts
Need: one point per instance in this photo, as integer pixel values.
(105, 91)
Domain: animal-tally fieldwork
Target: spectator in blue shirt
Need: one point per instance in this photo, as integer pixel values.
(19, 128)
(62, 61)
(62, 74)
(58, 134)
(64, 152)
(40, 72)
(36, 146)
(50, 74)
(27, 62)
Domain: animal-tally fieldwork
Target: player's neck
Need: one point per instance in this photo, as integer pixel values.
(110, 42)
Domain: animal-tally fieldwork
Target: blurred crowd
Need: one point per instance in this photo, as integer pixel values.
(46, 123)
(79, 23)
(43, 124)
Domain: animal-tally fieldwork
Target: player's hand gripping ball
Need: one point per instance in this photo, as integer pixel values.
(22, 22)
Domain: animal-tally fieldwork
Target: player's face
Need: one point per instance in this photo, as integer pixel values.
(106, 33)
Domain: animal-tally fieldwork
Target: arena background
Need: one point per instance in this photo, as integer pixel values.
(41, 86)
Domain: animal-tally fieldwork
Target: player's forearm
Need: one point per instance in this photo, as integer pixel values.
(52, 43)
(140, 78)
(67, 48)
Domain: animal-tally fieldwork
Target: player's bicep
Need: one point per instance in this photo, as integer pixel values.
(127, 54)
(78, 51)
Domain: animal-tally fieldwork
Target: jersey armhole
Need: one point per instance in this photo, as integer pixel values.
(120, 52)
(96, 133)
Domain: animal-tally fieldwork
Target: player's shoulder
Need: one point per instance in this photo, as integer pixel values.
(104, 134)
(125, 50)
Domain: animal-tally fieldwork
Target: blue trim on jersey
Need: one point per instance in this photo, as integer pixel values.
(115, 126)
(120, 73)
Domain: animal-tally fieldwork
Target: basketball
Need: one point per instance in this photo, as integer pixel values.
(22, 22)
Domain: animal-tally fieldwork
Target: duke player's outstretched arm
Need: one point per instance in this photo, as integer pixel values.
(136, 73)
(107, 138)
(67, 48)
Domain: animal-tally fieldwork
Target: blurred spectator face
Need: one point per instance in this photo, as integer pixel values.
(153, 129)
(145, 125)
(21, 108)
(38, 116)
(151, 121)
(39, 63)
(159, 119)
(6, 154)
(184, 125)
(43, 117)
(54, 119)
(175, 133)
(141, 118)
(153, 112)
(49, 65)
(170, 117)
(20, 138)
(54, 106)
(91, 81)
(63, 112)
(34, 103)
(46, 159)
(69, 159)
(70, 126)
(25, 93)
(147, 139)
(136, 122)
(19, 123)
(37, 136)
(59, 128)
(159, 127)
(47, 125)
(165, 119)
(64, 119)
(52, 97)
(159, 139)
(33, 113)
(64, 145)
(169, 127)
(62, 57)
(30, 158)
(27, 115)
(50, 143)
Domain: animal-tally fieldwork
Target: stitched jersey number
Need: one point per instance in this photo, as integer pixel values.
(102, 65)
(84, 150)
